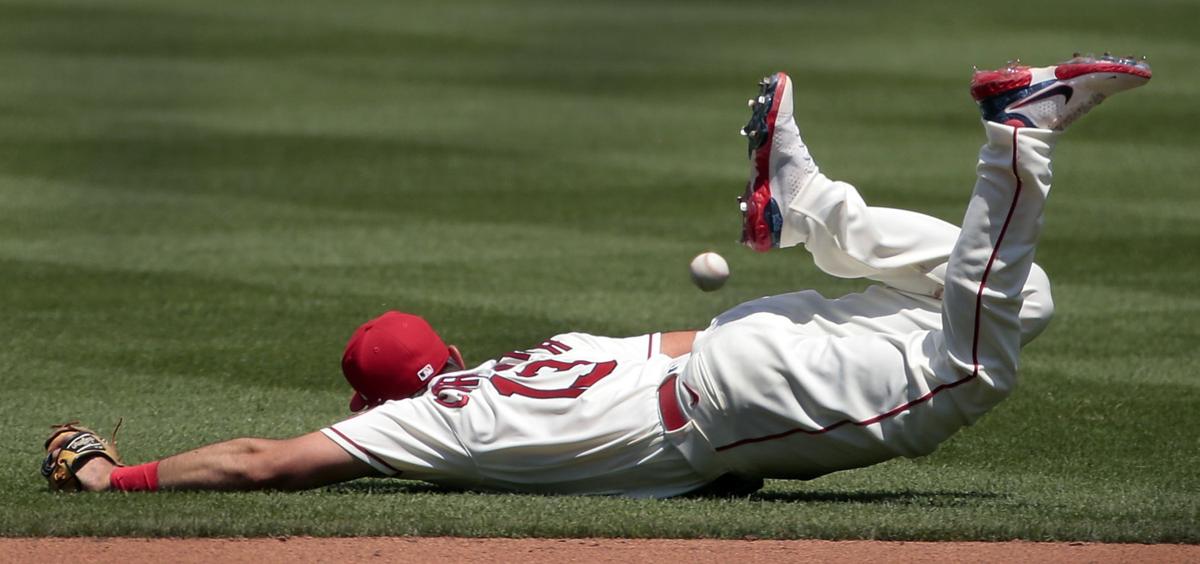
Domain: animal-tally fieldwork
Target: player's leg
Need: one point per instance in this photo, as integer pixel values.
(789, 201)
(1024, 110)
(838, 402)
(303, 462)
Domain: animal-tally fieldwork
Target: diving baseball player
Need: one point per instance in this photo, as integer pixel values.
(791, 386)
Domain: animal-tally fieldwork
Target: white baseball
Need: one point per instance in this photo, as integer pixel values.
(709, 271)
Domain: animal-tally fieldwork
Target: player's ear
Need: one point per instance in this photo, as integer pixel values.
(456, 357)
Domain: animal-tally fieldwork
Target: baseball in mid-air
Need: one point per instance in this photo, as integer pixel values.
(709, 271)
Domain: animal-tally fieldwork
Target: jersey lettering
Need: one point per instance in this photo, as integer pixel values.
(454, 391)
(511, 359)
(553, 347)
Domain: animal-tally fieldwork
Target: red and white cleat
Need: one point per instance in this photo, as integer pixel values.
(1054, 97)
(780, 164)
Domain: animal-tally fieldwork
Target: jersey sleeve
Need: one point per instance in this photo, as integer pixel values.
(409, 438)
(624, 349)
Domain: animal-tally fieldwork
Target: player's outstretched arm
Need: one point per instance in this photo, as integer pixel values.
(304, 462)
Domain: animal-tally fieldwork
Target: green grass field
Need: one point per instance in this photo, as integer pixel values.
(199, 201)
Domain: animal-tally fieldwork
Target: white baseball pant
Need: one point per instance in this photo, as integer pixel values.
(797, 386)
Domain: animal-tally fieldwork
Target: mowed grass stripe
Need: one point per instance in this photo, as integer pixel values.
(199, 202)
(406, 261)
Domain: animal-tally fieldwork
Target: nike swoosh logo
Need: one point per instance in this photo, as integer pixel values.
(1061, 90)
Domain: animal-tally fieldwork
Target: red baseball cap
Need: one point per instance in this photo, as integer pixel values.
(391, 357)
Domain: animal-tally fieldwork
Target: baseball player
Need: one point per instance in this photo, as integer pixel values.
(792, 386)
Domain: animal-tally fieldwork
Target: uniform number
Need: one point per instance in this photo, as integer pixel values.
(596, 372)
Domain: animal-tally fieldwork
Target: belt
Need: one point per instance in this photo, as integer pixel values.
(668, 404)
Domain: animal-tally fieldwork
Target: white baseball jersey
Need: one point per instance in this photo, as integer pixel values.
(576, 414)
(791, 386)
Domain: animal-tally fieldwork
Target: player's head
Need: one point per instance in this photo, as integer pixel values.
(393, 357)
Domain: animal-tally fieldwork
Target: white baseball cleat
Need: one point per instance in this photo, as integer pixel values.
(780, 164)
(1053, 97)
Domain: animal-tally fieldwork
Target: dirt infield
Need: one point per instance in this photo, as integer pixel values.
(535, 551)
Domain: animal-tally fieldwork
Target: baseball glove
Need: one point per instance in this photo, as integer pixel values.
(68, 448)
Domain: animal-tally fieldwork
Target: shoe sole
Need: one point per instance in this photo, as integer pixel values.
(760, 132)
(1004, 92)
(987, 84)
(761, 127)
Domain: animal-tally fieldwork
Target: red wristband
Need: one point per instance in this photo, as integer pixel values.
(140, 478)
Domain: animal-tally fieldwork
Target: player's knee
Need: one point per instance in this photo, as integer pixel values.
(1035, 324)
(1037, 307)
